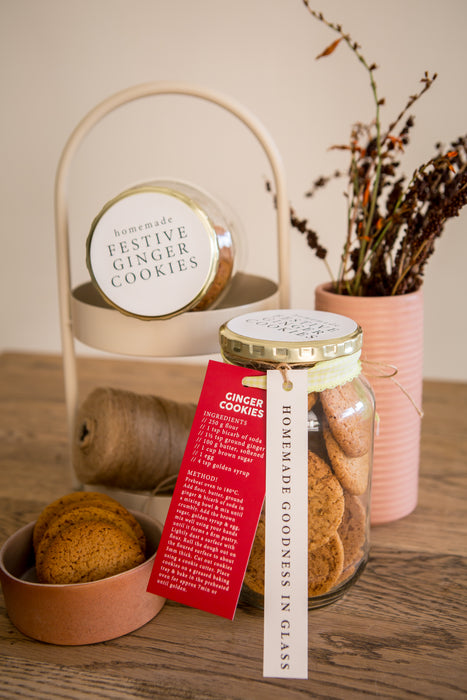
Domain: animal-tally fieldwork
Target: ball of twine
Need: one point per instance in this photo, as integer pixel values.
(129, 441)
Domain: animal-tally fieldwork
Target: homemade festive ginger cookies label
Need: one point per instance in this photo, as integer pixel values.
(152, 252)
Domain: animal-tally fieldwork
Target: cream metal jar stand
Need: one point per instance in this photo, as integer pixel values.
(85, 316)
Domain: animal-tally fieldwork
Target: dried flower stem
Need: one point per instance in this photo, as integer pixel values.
(391, 227)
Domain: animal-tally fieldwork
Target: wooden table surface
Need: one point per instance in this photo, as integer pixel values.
(399, 633)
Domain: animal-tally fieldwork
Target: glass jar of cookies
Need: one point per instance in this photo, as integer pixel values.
(162, 248)
(340, 426)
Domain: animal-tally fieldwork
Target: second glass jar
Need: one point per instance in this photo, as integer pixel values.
(340, 425)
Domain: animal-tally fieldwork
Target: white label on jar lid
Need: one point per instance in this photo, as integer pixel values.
(293, 326)
(152, 253)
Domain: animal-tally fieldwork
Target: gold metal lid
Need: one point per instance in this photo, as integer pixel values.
(293, 337)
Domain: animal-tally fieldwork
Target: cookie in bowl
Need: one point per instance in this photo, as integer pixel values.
(85, 611)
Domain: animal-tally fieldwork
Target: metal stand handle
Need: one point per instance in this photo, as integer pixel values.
(61, 207)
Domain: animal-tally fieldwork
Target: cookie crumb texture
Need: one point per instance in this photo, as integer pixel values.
(348, 418)
(338, 481)
(85, 537)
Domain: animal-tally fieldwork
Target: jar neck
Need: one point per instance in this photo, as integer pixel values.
(326, 374)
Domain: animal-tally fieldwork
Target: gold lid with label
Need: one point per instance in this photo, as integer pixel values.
(294, 337)
(159, 249)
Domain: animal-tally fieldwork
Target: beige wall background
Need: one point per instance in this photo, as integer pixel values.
(59, 58)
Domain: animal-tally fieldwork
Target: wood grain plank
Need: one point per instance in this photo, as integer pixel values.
(400, 632)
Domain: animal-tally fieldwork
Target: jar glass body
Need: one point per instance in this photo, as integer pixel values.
(340, 425)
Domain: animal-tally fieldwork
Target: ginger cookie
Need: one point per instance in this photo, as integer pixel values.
(81, 514)
(88, 551)
(348, 419)
(325, 566)
(84, 536)
(110, 506)
(80, 499)
(312, 399)
(254, 575)
(352, 472)
(352, 530)
(56, 508)
(325, 502)
(223, 275)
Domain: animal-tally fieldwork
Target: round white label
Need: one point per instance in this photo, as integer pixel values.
(152, 253)
(294, 326)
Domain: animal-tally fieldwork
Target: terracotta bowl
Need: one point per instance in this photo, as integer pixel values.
(77, 613)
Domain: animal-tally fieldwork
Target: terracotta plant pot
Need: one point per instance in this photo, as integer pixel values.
(392, 335)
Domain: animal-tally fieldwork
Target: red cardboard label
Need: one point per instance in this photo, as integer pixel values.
(214, 512)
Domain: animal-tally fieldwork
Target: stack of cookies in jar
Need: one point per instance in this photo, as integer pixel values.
(340, 430)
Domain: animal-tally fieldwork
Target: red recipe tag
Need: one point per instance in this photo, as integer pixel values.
(214, 512)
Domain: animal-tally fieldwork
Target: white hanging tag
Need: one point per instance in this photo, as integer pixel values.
(285, 652)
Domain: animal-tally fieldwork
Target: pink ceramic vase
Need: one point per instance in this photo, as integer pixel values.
(392, 335)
